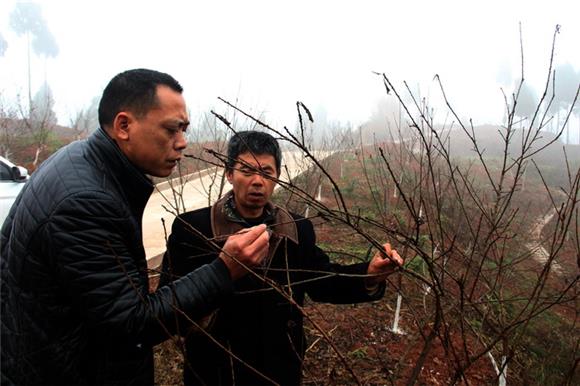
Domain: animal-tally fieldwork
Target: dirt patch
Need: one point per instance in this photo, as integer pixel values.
(362, 334)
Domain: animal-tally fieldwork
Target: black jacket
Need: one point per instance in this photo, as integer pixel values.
(258, 325)
(76, 307)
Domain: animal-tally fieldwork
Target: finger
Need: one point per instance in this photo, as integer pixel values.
(259, 247)
(397, 258)
(388, 249)
(386, 263)
(250, 235)
(261, 241)
(393, 259)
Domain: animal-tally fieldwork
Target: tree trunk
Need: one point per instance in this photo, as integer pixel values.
(36, 156)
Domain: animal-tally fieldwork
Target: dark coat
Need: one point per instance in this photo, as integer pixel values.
(76, 307)
(258, 324)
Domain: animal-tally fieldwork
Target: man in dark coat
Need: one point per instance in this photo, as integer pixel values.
(257, 337)
(75, 301)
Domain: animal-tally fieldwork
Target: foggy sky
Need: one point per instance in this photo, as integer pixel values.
(267, 55)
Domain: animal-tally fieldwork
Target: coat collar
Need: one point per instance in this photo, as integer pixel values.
(133, 183)
(225, 220)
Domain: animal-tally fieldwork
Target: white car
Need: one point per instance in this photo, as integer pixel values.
(12, 180)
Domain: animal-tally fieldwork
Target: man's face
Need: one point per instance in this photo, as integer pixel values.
(252, 189)
(154, 142)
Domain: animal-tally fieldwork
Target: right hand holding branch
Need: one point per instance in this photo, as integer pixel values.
(248, 247)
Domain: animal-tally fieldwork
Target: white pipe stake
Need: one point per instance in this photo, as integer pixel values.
(395, 327)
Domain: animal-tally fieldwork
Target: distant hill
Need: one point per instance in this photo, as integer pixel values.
(490, 141)
(551, 160)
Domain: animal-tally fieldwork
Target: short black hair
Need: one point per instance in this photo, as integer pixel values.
(255, 142)
(135, 91)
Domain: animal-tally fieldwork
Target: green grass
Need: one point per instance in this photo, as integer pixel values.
(549, 343)
(353, 253)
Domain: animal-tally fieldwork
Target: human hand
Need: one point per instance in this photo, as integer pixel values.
(382, 265)
(248, 247)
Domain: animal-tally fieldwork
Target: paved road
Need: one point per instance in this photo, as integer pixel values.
(198, 190)
(539, 253)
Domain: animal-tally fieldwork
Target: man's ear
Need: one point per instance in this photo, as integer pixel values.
(230, 175)
(121, 125)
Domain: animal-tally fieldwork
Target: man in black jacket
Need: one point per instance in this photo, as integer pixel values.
(257, 336)
(76, 307)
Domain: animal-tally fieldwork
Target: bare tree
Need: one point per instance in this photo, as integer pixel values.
(26, 19)
(484, 256)
(40, 121)
(526, 102)
(8, 129)
(85, 120)
(564, 83)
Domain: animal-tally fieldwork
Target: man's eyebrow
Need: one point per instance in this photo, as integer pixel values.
(244, 166)
(259, 166)
(177, 122)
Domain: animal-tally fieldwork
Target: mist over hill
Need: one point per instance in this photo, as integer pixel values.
(550, 153)
(491, 141)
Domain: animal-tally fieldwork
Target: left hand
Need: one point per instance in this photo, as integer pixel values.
(383, 264)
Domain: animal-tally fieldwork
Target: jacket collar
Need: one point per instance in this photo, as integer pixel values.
(132, 182)
(225, 219)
